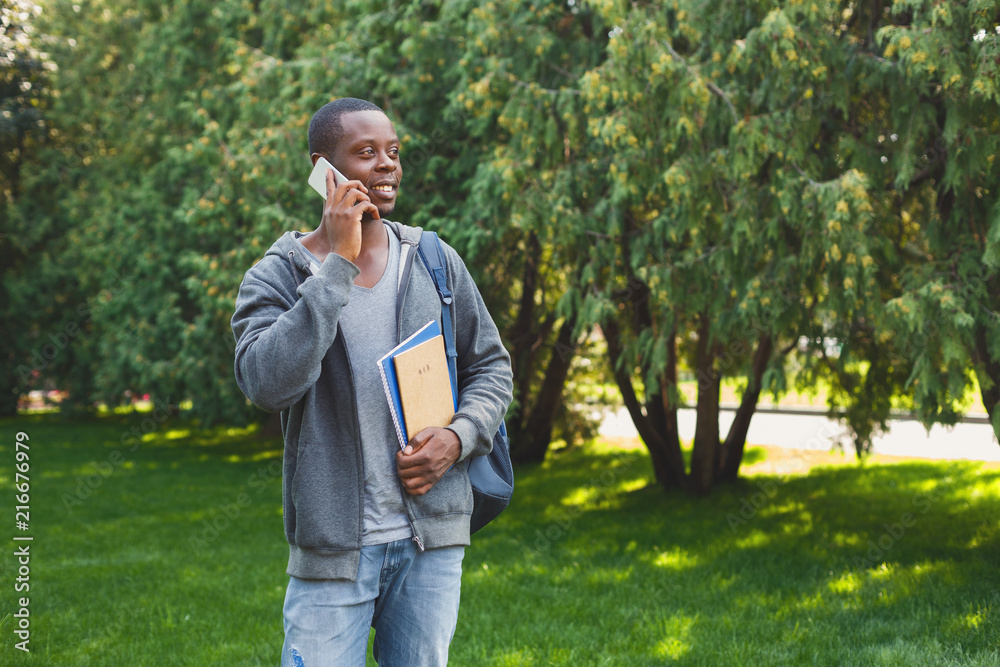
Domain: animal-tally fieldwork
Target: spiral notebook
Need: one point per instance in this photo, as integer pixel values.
(417, 384)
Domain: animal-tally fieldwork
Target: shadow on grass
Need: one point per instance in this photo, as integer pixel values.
(882, 564)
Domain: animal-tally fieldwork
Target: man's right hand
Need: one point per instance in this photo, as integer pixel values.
(345, 205)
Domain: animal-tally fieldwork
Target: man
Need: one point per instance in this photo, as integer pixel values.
(376, 535)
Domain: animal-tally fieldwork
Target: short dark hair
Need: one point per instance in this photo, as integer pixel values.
(325, 128)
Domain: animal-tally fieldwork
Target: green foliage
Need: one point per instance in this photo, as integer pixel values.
(929, 118)
(23, 132)
(710, 185)
(183, 158)
(808, 173)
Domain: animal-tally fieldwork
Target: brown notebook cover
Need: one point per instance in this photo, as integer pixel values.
(424, 386)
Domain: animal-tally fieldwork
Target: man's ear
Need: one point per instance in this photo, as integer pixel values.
(314, 157)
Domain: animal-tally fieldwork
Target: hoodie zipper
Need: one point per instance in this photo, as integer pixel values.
(402, 283)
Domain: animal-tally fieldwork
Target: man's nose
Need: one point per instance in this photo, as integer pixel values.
(386, 163)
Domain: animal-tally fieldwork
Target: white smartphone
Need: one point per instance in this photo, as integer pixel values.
(317, 179)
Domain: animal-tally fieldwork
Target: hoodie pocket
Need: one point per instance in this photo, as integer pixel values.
(327, 509)
(451, 495)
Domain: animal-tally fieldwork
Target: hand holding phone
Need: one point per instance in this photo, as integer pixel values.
(344, 208)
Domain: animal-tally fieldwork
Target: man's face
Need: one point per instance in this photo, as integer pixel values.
(370, 154)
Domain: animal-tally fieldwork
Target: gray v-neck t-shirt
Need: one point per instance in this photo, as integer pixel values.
(368, 325)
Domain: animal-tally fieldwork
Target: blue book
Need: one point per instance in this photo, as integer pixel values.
(390, 382)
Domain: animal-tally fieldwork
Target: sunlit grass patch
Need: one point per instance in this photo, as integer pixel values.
(675, 559)
(675, 632)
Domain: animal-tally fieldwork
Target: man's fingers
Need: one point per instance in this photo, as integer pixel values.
(421, 438)
(417, 490)
(416, 481)
(355, 197)
(408, 463)
(361, 206)
(331, 185)
(346, 186)
(411, 463)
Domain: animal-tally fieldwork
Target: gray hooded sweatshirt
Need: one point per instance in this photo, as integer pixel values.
(290, 359)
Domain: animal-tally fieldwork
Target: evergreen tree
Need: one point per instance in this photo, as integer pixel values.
(708, 189)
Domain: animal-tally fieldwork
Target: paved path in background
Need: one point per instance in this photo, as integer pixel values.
(803, 430)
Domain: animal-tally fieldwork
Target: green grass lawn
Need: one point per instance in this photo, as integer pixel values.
(847, 565)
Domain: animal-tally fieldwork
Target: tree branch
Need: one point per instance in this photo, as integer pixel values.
(708, 83)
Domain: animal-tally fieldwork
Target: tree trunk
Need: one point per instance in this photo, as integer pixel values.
(11, 383)
(9, 391)
(537, 434)
(731, 454)
(663, 415)
(706, 430)
(659, 438)
(523, 338)
(990, 368)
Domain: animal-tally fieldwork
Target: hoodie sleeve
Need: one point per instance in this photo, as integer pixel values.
(485, 380)
(281, 340)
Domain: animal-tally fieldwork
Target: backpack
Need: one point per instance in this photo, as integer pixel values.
(492, 475)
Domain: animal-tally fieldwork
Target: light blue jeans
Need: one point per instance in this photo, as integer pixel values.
(410, 597)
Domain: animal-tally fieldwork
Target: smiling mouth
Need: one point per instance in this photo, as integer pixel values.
(384, 189)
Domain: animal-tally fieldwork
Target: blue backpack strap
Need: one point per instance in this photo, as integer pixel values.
(433, 258)
(491, 476)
